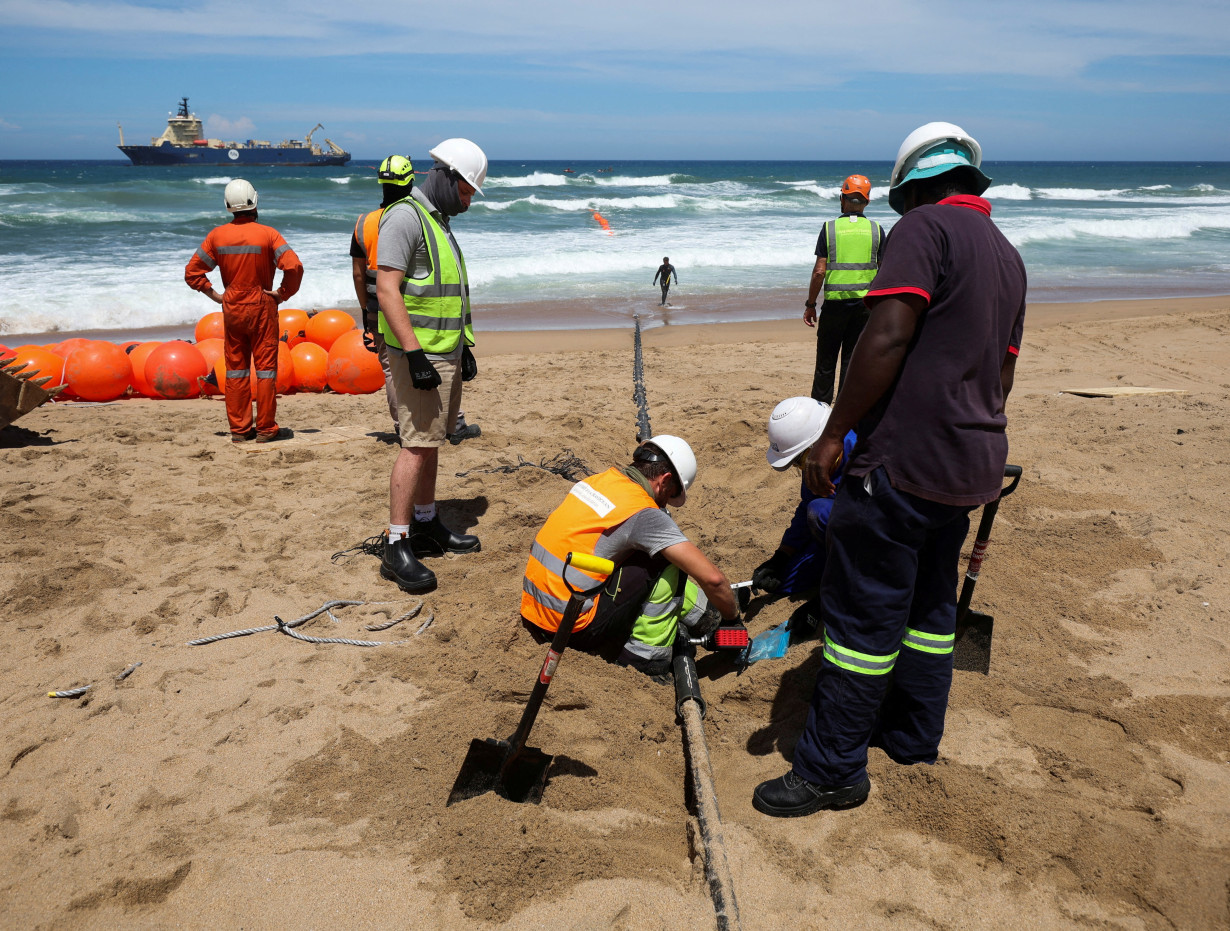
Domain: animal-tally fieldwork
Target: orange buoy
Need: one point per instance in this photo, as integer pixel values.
(292, 326)
(128, 346)
(327, 326)
(69, 346)
(211, 350)
(6, 353)
(352, 369)
(45, 362)
(311, 366)
(173, 368)
(137, 358)
(98, 371)
(285, 377)
(210, 327)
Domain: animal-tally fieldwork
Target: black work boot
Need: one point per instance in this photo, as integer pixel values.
(791, 796)
(399, 565)
(432, 538)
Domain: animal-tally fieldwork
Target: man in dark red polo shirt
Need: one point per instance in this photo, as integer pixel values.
(926, 392)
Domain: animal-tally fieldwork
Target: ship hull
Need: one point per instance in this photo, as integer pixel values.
(203, 155)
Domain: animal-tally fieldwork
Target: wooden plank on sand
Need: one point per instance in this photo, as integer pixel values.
(1116, 392)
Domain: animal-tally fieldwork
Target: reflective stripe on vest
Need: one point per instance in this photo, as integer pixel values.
(928, 643)
(591, 507)
(866, 663)
(366, 233)
(206, 258)
(439, 303)
(853, 250)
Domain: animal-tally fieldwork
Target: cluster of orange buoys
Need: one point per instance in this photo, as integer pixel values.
(322, 351)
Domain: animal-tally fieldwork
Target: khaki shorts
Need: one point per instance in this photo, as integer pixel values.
(425, 417)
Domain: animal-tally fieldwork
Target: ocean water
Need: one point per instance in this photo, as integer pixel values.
(102, 245)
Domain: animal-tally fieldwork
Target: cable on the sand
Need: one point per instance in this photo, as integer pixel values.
(247, 631)
(564, 464)
(127, 672)
(643, 430)
(372, 546)
(413, 612)
(286, 629)
(69, 693)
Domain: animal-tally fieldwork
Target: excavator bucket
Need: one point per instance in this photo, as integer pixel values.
(21, 390)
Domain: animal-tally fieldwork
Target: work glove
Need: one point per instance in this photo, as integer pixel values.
(769, 574)
(423, 374)
(370, 325)
(469, 365)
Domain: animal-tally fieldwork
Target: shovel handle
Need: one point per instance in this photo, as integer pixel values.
(559, 642)
(981, 540)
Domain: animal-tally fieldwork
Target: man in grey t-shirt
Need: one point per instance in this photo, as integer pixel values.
(424, 300)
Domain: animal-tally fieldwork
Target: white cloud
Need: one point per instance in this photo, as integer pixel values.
(11, 127)
(786, 42)
(217, 127)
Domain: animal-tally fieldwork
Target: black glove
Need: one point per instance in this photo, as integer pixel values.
(469, 365)
(768, 575)
(423, 374)
(371, 326)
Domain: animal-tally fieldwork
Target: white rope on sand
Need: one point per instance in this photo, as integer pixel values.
(257, 630)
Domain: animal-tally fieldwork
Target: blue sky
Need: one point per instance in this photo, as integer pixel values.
(775, 79)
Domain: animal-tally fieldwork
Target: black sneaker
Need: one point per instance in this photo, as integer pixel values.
(399, 565)
(432, 538)
(281, 433)
(467, 432)
(791, 796)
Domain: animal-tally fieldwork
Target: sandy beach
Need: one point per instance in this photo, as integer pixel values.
(264, 782)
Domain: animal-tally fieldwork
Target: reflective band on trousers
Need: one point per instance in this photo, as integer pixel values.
(866, 663)
(241, 250)
(206, 258)
(266, 373)
(645, 651)
(236, 373)
(853, 257)
(928, 643)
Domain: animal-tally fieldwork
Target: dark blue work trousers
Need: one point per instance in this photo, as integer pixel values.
(889, 596)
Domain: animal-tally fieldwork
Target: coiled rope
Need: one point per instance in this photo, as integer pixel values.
(247, 631)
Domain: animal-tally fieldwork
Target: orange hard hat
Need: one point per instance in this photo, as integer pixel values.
(857, 184)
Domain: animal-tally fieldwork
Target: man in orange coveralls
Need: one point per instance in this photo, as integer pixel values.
(246, 252)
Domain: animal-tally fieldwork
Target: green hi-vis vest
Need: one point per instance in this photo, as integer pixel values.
(854, 247)
(438, 303)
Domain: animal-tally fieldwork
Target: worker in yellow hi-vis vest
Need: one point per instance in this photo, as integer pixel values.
(847, 255)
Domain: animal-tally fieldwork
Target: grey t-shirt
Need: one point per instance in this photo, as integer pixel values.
(650, 531)
(403, 246)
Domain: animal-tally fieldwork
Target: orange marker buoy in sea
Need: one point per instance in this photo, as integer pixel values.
(47, 363)
(211, 351)
(603, 223)
(137, 358)
(210, 326)
(292, 326)
(98, 371)
(173, 368)
(328, 325)
(311, 365)
(352, 369)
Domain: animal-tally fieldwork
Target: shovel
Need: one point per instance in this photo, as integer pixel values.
(972, 645)
(509, 767)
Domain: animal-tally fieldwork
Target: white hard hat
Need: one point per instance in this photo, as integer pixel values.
(794, 425)
(465, 158)
(931, 150)
(239, 196)
(677, 453)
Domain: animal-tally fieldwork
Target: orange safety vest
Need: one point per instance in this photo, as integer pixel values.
(592, 506)
(366, 233)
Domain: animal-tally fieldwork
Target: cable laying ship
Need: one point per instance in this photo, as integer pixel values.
(182, 143)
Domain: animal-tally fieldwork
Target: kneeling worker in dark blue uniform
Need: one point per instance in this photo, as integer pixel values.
(797, 564)
(927, 387)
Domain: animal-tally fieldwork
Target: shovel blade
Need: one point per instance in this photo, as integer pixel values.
(972, 650)
(490, 766)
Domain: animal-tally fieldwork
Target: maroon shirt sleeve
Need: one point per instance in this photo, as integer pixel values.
(913, 257)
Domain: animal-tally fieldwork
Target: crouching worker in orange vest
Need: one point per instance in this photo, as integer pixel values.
(246, 253)
(661, 582)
